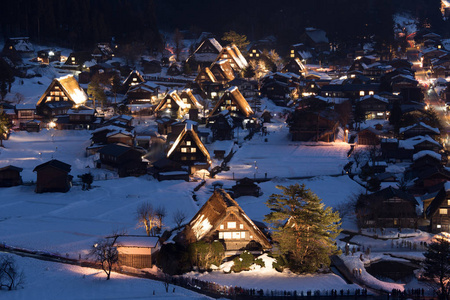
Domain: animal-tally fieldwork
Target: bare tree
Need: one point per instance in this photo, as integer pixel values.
(160, 213)
(11, 276)
(178, 39)
(105, 252)
(18, 98)
(147, 218)
(178, 217)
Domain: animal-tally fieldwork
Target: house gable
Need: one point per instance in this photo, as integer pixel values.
(233, 101)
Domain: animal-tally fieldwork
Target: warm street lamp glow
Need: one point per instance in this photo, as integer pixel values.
(51, 124)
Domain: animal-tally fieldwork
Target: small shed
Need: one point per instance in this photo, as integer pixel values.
(137, 251)
(10, 176)
(53, 176)
(246, 187)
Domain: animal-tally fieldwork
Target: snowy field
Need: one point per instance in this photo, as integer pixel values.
(53, 281)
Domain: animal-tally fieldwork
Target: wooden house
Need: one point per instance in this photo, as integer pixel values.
(375, 107)
(166, 169)
(76, 60)
(389, 207)
(234, 56)
(248, 88)
(124, 160)
(349, 91)
(53, 176)
(246, 187)
(221, 125)
(313, 126)
(190, 101)
(137, 251)
(62, 94)
(222, 71)
(102, 52)
(294, 66)
(419, 129)
(221, 218)
(316, 39)
(134, 78)
(171, 106)
(205, 75)
(25, 113)
(47, 56)
(31, 126)
(233, 101)
(188, 150)
(175, 69)
(427, 179)
(302, 52)
(420, 143)
(17, 48)
(81, 117)
(369, 136)
(438, 211)
(120, 136)
(205, 54)
(142, 93)
(10, 176)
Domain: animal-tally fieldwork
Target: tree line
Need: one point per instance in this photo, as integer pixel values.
(80, 23)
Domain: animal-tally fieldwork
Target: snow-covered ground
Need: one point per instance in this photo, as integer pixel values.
(48, 280)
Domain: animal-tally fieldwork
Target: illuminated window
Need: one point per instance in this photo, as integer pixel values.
(292, 55)
(134, 79)
(184, 150)
(184, 100)
(225, 56)
(221, 226)
(448, 202)
(168, 101)
(188, 106)
(73, 58)
(233, 108)
(361, 93)
(312, 86)
(227, 235)
(241, 226)
(10, 47)
(49, 98)
(442, 211)
(231, 225)
(438, 226)
(370, 92)
(236, 235)
(220, 235)
(188, 143)
(292, 51)
(193, 150)
(254, 50)
(227, 101)
(242, 234)
(257, 54)
(251, 54)
(169, 105)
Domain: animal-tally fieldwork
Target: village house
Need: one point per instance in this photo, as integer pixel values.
(349, 91)
(77, 60)
(53, 176)
(233, 101)
(222, 126)
(137, 251)
(302, 52)
(316, 39)
(188, 150)
(374, 107)
(369, 136)
(47, 56)
(62, 94)
(221, 218)
(294, 66)
(438, 211)
(171, 106)
(134, 78)
(174, 69)
(10, 176)
(17, 48)
(102, 52)
(313, 126)
(205, 54)
(389, 207)
(151, 66)
(419, 129)
(144, 93)
(191, 103)
(24, 113)
(166, 169)
(246, 187)
(234, 56)
(123, 159)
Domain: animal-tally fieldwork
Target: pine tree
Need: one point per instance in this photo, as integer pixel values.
(395, 117)
(240, 40)
(437, 265)
(303, 228)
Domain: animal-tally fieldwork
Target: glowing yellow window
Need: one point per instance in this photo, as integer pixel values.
(370, 92)
(188, 143)
(231, 225)
(361, 93)
(442, 211)
(448, 202)
(193, 150)
(257, 54)
(254, 50)
(292, 55)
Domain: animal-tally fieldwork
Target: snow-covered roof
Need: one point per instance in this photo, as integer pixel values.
(411, 142)
(137, 241)
(426, 152)
(435, 130)
(317, 35)
(375, 97)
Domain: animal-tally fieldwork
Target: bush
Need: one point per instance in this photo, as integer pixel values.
(173, 259)
(202, 254)
(280, 262)
(244, 261)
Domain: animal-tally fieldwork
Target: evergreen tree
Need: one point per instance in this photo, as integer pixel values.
(5, 125)
(303, 228)
(437, 265)
(240, 40)
(96, 91)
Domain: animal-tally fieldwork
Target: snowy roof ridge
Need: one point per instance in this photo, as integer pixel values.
(436, 130)
(423, 153)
